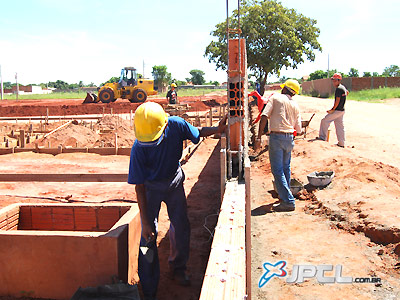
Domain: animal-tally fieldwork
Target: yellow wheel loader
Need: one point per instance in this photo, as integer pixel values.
(129, 87)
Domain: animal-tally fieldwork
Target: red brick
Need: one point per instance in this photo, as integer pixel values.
(63, 218)
(393, 82)
(85, 219)
(41, 218)
(25, 218)
(107, 217)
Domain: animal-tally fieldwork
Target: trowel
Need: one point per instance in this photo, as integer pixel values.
(147, 252)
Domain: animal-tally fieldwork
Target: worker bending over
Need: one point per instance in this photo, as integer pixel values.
(284, 116)
(155, 170)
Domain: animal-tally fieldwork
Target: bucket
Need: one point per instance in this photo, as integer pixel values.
(295, 186)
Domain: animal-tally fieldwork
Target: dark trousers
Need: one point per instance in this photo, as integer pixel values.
(172, 193)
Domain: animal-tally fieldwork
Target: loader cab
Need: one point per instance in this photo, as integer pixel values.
(128, 77)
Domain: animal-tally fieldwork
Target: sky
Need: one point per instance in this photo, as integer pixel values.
(92, 40)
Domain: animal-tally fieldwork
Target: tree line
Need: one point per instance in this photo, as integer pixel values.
(391, 71)
(59, 84)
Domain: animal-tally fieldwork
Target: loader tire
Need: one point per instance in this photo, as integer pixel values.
(139, 95)
(106, 96)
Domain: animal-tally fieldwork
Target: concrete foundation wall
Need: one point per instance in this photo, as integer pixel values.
(41, 256)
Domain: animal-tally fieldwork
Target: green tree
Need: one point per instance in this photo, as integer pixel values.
(319, 74)
(161, 77)
(367, 74)
(375, 74)
(391, 71)
(178, 82)
(353, 72)
(111, 80)
(276, 37)
(197, 77)
(7, 85)
(59, 84)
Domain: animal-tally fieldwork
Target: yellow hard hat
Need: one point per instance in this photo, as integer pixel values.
(292, 84)
(173, 85)
(150, 121)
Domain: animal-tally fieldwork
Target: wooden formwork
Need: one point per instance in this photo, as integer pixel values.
(225, 276)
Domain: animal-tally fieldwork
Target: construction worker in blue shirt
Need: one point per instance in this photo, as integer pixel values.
(156, 172)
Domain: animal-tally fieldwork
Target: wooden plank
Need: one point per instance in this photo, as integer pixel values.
(247, 175)
(65, 177)
(226, 268)
(223, 171)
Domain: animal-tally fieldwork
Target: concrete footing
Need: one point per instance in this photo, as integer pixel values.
(50, 250)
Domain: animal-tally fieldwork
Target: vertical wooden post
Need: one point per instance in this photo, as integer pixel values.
(223, 172)
(131, 118)
(211, 117)
(22, 138)
(223, 164)
(116, 144)
(47, 115)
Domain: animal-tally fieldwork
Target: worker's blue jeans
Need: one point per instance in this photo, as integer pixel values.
(280, 153)
(172, 193)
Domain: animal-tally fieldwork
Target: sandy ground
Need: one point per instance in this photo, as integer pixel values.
(353, 222)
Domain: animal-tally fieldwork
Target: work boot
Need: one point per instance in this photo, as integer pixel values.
(282, 207)
(180, 277)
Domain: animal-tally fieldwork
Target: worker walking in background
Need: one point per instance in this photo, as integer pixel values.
(155, 170)
(284, 116)
(335, 114)
(172, 95)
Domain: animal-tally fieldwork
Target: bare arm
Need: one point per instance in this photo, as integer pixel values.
(147, 231)
(207, 131)
(263, 122)
(337, 100)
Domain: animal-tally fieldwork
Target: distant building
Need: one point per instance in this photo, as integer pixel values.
(28, 90)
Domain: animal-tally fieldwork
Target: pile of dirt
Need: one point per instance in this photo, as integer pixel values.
(73, 135)
(104, 133)
(114, 126)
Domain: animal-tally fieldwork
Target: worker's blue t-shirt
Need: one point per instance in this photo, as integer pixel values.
(160, 159)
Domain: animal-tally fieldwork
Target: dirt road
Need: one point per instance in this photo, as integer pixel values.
(353, 222)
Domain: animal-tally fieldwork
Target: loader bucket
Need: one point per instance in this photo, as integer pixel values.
(90, 98)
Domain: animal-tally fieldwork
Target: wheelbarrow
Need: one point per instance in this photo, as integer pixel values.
(305, 124)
